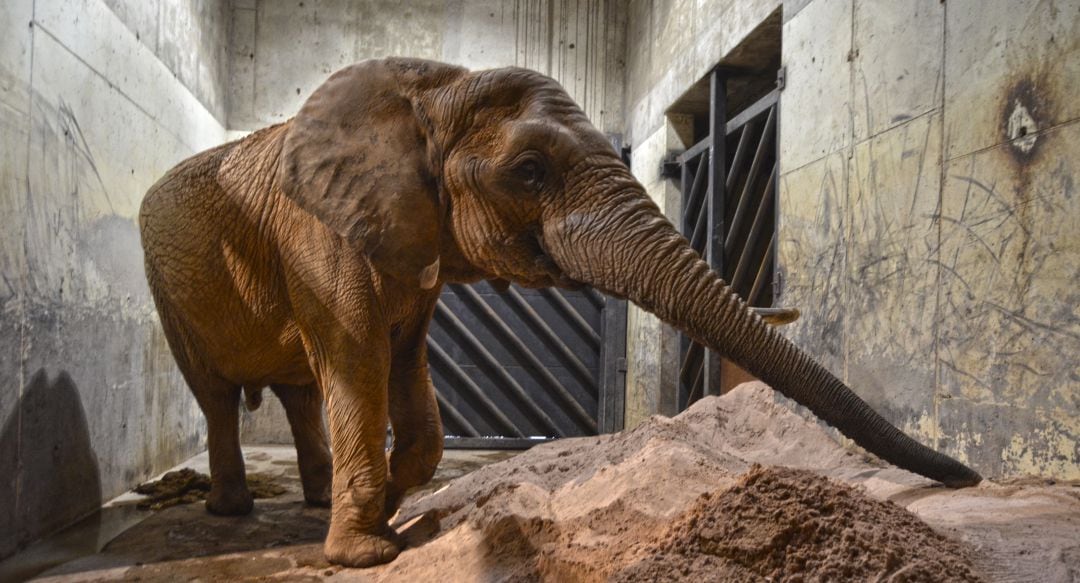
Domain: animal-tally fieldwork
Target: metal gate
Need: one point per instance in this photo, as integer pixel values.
(512, 368)
(728, 182)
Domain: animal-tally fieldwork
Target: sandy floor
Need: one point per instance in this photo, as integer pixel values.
(647, 504)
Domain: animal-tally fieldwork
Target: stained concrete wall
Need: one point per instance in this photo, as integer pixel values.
(281, 51)
(90, 117)
(928, 219)
(930, 224)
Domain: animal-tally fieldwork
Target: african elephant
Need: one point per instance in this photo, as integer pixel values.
(308, 257)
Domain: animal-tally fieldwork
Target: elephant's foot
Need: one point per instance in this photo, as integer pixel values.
(359, 550)
(235, 501)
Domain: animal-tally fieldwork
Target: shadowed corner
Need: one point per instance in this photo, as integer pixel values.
(50, 478)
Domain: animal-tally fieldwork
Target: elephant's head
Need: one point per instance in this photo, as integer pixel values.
(500, 171)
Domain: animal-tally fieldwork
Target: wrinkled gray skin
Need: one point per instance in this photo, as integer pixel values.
(308, 257)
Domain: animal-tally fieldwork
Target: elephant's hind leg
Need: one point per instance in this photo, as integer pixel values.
(304, 407)
(220, 402)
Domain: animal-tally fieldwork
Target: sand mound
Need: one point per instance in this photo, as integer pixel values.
(793, 525)
(679, 498)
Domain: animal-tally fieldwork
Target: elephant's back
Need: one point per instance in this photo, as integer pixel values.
(213, 271)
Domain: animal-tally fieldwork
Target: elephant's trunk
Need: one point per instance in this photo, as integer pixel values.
(635, 253)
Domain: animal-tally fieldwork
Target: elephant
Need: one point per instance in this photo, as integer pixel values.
(308, 257)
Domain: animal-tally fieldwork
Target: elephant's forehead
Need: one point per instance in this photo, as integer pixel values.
(556, 136)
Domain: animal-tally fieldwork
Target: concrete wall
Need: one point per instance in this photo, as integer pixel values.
(190, 38)
(930, 220)
(281, 51)
(90, 117)
(929, 217)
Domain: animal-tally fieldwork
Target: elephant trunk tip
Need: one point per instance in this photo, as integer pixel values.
(965, 477)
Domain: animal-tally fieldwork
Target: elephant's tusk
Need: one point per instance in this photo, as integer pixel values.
(777, 316)
(429, 275)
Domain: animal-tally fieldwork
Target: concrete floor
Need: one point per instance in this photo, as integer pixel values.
(123, 543)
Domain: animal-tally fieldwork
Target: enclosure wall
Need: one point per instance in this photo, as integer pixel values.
(90, 117)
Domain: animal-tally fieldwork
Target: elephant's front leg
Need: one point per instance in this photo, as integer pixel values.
(414, 416)
(355, 386)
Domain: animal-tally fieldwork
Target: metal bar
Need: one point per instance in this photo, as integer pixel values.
(577, 411)
(698, 234)
(455, 415)
(698, 191)
(572, 315)
(493, 364)
(685, 190)
(474, 389)
(693, 151)
(455, 442)
(691, 358)
(699, 382)
(751, 178)
(740, 155)
(762, 274)
(756, 109)
(755, 230)
(595, 297)
(555, 342)
(714, 247)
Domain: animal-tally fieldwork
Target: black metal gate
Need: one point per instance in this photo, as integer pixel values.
(512, 368)
(728, 182)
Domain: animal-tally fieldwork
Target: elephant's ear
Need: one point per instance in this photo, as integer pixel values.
(358, 158)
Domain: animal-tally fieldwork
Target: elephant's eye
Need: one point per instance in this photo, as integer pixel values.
(531, 172)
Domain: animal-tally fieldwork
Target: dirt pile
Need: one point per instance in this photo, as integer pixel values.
(186, 486)
(680, 499)
(793, 525)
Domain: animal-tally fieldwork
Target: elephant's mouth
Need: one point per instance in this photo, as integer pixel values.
(545, 271)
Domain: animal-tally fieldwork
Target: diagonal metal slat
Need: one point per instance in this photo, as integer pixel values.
(751, 178)
(554, 341)
(740, 155)
(695, 200)
(595, 297)
(450, 411)
(493, 364)
(759, 223)
(568, 311)
(475, 391)
(693, 353)
(542, 373)
(762, 274)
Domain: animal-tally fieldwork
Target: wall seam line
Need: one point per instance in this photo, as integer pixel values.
(127, 97)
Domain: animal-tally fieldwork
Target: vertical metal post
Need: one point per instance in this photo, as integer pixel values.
(612, 406)
(612, 367)
(714, 249)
